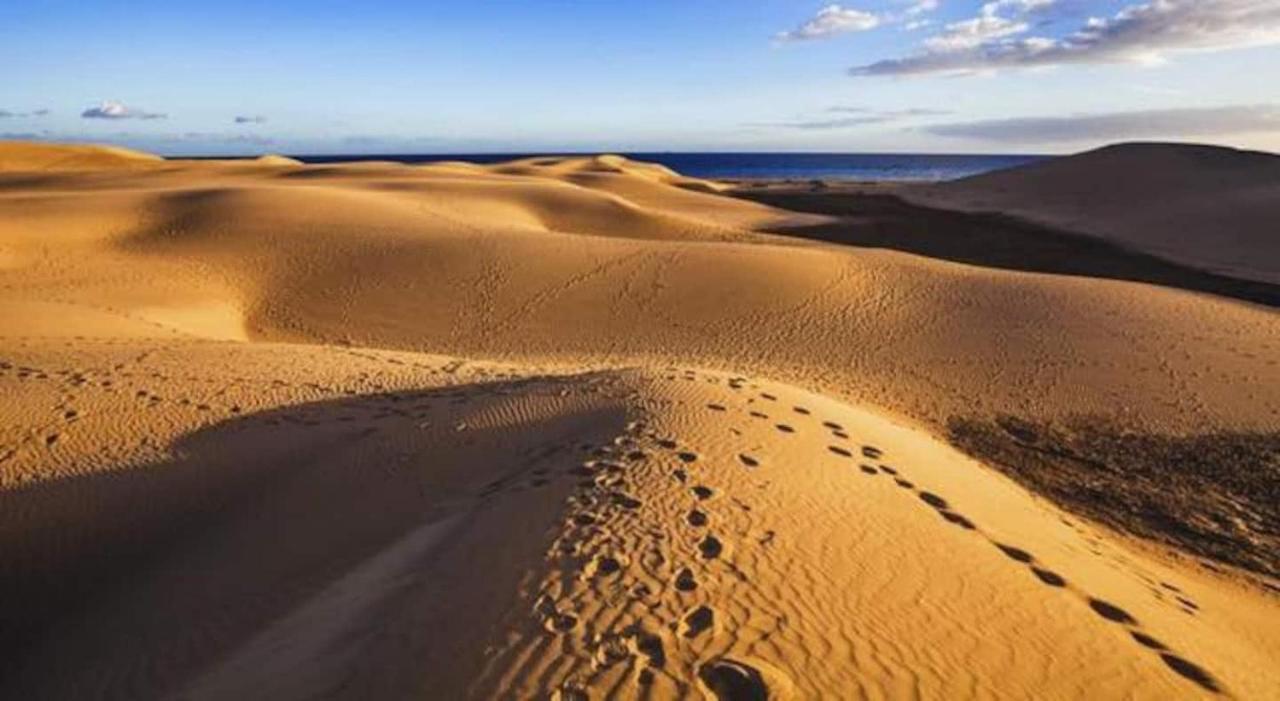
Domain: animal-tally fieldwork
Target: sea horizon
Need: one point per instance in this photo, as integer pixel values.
(859, 166)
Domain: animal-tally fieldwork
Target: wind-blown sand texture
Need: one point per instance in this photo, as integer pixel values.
(577, 428)
(1210, 207)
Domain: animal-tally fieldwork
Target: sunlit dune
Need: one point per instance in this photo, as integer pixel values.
(586, 428)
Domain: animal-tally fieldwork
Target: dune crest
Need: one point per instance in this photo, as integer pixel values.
(31, 155)
(1211, 207)
(574, 428)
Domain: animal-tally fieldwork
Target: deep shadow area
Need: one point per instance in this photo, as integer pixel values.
(129, 582)
(877, 220)
(1213, 495)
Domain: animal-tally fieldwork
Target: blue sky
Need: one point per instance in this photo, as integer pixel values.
(506, 75)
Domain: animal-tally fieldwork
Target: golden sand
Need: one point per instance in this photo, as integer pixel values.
(569, 428)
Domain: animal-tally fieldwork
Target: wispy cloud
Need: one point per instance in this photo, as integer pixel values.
(998, 38)
(109, 109)
(6, 114)
(250, 119)
(854, 117)
(832, 20)
(1141, 124)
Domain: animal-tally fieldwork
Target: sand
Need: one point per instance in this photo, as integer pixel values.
(1211, 207)
(573, 428)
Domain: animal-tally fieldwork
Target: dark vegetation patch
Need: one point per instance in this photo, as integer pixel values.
(1214, 495)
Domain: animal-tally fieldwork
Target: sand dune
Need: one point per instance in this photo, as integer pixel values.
(575, 428)
(1211, 207)
(28, 156)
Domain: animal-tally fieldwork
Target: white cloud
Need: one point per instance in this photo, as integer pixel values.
(856, 117)
(1144, 32)
(109, 109)
(831, 21)
(1141, 124)
(920, 7)
(971, 33)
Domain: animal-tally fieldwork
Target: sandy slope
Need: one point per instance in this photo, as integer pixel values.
(575, 428)
(1210, 207)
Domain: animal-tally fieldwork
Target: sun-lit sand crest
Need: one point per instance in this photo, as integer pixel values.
(570, 428)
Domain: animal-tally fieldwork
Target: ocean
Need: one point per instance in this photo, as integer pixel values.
(799, 166)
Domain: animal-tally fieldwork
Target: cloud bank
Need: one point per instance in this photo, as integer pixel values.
(1141, 124)
(999, 37)
(115, 110)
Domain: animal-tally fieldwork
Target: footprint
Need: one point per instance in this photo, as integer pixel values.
(801, 410)
(958, 520)
(603, 566)
(667, 444)
(888, 470)
(1147, 641)
(685, 580)
(768, 396)
(903, 483)
(716, 407)
(731, 680)
(626, 501)
(934, 500)
(1053, 579)
(785, 428)
(748, 460)
(840, 451)
(1016, 554)
(687, 457)
(649, 646)
(1191, 671)
(703, 493)
(697, 518)
(869, 469)
(833, 425)
(697, 622)
(710, 547)
(1111, 612)
(872, 452)
(561, 622)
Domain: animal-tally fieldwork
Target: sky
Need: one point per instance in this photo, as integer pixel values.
(429, 76)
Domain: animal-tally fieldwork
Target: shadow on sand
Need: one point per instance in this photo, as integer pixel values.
(125, 584)
(991, 240)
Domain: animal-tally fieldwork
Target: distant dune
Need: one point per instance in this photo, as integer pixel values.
(1206, 206)
(583, 428)
(24, 155)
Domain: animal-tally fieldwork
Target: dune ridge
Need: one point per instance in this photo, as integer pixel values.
(572, 428)
(1208, 206)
